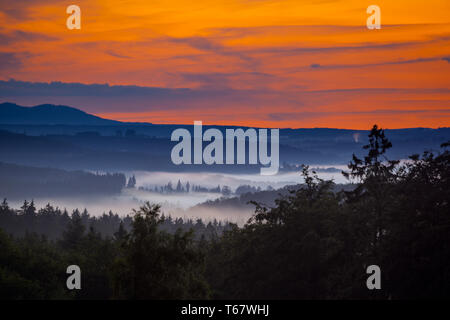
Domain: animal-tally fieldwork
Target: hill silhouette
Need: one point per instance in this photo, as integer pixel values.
(68, 138)
(48, 114)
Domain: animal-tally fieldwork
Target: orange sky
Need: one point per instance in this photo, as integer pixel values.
(302, 63)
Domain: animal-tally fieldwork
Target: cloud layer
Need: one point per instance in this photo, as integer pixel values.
(267, 63)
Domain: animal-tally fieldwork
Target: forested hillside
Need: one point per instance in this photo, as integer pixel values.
(22, 182)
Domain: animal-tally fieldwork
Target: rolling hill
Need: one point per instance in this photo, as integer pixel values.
(48, 114)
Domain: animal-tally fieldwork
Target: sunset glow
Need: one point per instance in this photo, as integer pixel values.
(263, 63)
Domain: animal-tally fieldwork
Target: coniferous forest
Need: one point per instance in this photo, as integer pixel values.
(314, 243)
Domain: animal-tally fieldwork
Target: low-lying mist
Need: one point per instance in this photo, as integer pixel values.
(179, 204)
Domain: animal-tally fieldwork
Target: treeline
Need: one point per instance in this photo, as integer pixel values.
(314, 243)
(51, 222)
(19, 182)
(158, 258)
(186, 188)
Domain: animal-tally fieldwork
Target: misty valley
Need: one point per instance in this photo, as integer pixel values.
(82, 161)
(105, 196)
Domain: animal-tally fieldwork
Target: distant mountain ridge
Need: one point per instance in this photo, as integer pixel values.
(12, 114)
(48, 114)
(68, 138)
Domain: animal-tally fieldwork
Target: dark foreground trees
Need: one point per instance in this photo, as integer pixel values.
(145, 263)
(155, 264)
(315, 243)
